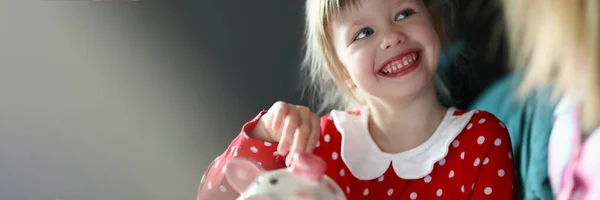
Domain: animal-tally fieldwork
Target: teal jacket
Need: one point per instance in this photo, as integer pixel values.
(529, 120)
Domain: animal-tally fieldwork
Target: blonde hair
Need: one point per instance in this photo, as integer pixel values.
(323, 68)
(550, 40)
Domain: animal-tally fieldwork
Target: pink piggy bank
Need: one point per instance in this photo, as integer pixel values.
(305, 179)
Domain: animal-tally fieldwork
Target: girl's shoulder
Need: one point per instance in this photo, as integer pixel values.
(484, 121)
(480, 132)
(484, 132)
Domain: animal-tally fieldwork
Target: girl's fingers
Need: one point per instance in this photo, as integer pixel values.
(287, 134)
(302, 134)
(279, 111)
(315, 133)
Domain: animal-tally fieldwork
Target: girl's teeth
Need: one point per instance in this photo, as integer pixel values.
(396, 65)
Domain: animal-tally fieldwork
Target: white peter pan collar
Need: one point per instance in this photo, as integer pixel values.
(366, 161)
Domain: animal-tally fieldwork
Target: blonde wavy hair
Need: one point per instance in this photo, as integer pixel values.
(556, 42)
(325, 73)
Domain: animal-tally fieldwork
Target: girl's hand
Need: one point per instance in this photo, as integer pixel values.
(296, 128)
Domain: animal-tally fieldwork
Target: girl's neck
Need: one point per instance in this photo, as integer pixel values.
(403, 124)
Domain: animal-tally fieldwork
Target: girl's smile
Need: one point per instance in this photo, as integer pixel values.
(401, 64)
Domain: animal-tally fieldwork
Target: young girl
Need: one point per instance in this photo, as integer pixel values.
(377, 59)
(559, 42)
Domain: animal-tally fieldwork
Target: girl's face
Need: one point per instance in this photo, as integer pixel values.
(389, 48)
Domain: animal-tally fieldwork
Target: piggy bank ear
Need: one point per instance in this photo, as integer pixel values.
(308, 165)
(240, 173)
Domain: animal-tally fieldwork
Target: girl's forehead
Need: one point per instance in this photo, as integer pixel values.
(349, 10)
(340, 10)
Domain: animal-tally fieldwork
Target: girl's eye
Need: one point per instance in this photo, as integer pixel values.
(363, 33)
(404, 14)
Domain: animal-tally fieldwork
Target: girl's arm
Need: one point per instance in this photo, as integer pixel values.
(214, 186)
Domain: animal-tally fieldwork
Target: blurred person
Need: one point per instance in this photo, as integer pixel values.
(551, 104)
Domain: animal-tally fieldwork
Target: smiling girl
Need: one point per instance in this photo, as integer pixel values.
(389, 137)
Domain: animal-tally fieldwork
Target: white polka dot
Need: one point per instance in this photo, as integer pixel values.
(380, 179)
(327, 138)
(217, 163)
(347, 189)
(469, 126)
(268, 144)
(488, 190)
(427, 179)
(209, 185)
(455, 143)
(275, 153)
(462, 188)
(390, 192)
(233, 148)
(502, 125)
(480, 140)
(486, 161)
(498, 142)
(442, 162)
(223, 170)
(462, 155)
(253, 149)
(413, 195)
(318, 143)
(451, 174)
(476, 163)
(366, 192)
(509, 155)
(342, 172)
(481, 121)
(235, 153)
(501, 173)
(439, 192)
(223, 189)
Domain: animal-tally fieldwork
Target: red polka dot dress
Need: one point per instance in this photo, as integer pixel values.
(468, 157)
